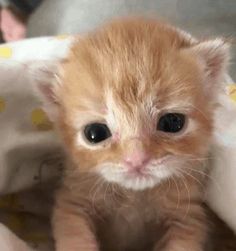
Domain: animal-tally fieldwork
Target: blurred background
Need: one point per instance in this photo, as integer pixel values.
(203, 18)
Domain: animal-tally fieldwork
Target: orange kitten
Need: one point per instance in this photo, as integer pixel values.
(134, 106)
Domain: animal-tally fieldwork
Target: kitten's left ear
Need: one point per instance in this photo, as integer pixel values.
(214, 57)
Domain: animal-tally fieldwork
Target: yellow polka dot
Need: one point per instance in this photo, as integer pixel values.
(2, 104)
(62, 37)
(40, 120)
(5, 52)
(231, 90)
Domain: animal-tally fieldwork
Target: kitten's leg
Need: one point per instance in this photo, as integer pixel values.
(72, 231)
(184, 234)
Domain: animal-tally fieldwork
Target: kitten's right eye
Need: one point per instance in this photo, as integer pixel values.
(96, 132)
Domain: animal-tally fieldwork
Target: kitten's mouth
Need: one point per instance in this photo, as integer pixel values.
(138, 173)
(138, 179)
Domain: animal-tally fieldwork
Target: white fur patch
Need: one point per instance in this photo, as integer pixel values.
(156, 172)
(110, 115)
(117, 174)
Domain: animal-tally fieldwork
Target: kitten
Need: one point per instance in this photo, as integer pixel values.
(135, 105)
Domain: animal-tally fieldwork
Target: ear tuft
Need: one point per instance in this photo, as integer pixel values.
(214, 54)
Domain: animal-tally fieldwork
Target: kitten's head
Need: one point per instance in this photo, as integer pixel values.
(135, 102)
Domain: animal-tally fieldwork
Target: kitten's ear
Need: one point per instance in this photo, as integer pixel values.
(214, 57)
(46, 78)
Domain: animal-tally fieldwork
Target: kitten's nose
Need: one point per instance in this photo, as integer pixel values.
(137, 160)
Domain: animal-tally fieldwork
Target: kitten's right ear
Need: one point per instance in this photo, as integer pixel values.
(46, 78)
(214, 56)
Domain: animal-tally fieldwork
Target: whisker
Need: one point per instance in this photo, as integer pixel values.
(204, 115)
(182, 178)
(208, 176)
(117, 192)
(169, 184)
(99, 185)
(192, 177)
(192, 157)
(105, 191)
(178, 193)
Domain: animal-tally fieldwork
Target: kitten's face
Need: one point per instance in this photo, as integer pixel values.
(133, 105)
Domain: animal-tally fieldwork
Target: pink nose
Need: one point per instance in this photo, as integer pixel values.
(137, 159)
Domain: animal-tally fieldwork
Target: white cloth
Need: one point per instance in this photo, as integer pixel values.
(30, 153)
(221, 194)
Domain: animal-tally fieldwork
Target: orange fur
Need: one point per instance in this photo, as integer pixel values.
(127, 74)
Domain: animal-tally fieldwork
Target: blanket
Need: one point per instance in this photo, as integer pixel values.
(32, 158)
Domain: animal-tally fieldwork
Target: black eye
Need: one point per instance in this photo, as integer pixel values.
(171, 122)
(96, 132)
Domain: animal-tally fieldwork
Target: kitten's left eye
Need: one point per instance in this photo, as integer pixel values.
(171, 122)
(96, 132)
